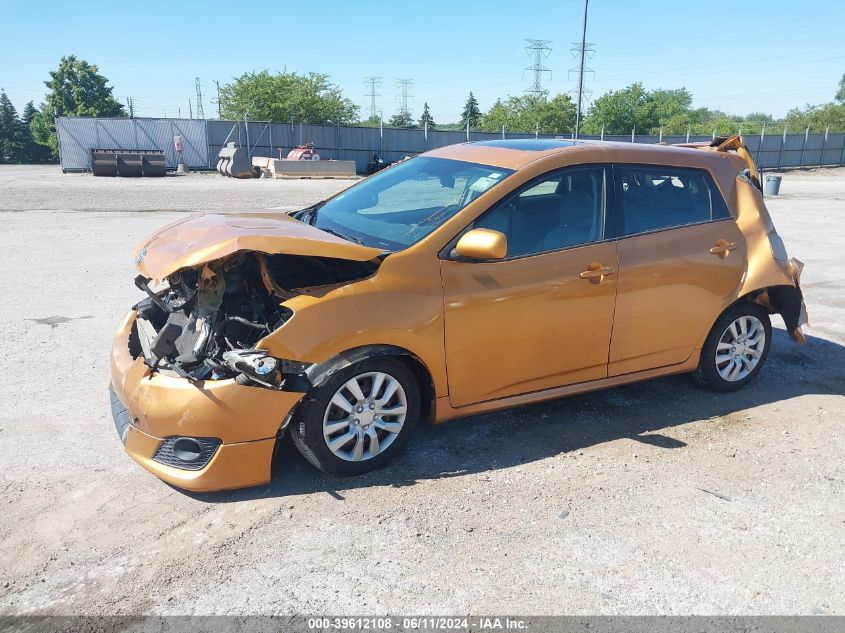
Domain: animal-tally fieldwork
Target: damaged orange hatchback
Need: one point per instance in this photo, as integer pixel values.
(470, 278)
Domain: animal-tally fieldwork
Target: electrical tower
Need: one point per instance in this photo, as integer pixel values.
(219, 110)
(374, 83)
(200, 113)
(538, 50)
(581, 55)
(404, 95)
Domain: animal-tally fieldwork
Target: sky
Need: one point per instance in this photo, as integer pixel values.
(733, 56)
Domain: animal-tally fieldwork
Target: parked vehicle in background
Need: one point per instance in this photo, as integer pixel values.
(470, 278)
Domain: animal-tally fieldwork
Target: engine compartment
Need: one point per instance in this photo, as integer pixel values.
(205, 322)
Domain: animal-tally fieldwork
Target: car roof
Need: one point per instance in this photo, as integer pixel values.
(516, 153)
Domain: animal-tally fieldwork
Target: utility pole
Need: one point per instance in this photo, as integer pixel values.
(583, 51)
(198, 85)
(374, 83)
(219, 111)
(403, 85)
(539, 50)
(190, 110)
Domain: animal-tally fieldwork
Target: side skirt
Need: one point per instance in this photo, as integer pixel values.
(444, 411)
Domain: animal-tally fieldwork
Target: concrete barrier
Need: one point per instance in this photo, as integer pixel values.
(305, 168)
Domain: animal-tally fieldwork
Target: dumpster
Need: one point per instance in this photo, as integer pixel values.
(772, 186)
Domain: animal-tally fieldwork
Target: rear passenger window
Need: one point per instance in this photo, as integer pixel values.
(656, 198)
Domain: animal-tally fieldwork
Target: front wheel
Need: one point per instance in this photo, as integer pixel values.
(358, 419)
(736, 348)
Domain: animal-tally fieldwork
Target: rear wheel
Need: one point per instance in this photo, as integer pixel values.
(736, 348)
(358, 419)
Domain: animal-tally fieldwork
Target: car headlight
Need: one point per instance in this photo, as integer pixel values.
(260, 367)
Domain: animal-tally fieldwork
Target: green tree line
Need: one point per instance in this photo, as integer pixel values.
(636, 109)
(77, 88)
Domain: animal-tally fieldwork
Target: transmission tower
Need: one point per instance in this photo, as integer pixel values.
(219, 107)
(373, 83)
(404, 95)
(200, 113)
(538, 50)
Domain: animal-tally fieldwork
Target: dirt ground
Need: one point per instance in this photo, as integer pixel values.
(655, 498)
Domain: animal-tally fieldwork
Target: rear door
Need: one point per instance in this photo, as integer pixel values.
(681, 258)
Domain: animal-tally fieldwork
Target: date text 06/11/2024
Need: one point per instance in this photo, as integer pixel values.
(430, 623)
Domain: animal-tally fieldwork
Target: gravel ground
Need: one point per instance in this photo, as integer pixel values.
(647, 499)
(46, 187)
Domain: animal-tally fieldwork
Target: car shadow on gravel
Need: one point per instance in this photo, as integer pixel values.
(525, 434)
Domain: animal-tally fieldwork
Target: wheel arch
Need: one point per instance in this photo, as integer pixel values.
(317, 374)
(783, 299)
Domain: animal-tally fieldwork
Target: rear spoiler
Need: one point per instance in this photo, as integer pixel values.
(726, 144)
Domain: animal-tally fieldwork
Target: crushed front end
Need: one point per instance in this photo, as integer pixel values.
(195, 398)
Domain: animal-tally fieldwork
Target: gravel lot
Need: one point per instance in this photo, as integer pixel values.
(648, 499)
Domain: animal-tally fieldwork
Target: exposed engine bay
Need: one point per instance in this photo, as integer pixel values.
(205, 322)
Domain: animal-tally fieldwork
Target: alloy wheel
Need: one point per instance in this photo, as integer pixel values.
(740, 348)
(365, 416)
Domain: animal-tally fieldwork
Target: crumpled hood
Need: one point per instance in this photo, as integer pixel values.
(205, 237)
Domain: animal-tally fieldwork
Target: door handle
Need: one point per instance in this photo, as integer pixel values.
(723, 248)
(596, 272)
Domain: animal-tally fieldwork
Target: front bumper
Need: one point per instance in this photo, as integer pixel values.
(149, 407)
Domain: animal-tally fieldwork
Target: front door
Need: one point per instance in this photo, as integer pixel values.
(542, 317)
(681, 258)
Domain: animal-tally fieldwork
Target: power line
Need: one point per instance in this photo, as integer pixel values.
(584, 51)
(403, 85)
(374, 82)
(200, 113)
(539, 50)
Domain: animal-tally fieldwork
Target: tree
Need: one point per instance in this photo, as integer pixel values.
(372, 121)
(29, 146)
(840, 94)
(285, 97)
(76, 89)
(471, 113)
(35, 152)
(530, 113)
(425, 118)
(634, 107)
(401, 119)
(11, 143)
(817, 118)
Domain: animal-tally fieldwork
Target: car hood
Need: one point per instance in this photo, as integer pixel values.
(205, 237)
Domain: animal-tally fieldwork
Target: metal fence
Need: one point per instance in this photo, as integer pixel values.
(202, 140)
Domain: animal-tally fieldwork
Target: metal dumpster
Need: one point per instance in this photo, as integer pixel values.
(128, 163)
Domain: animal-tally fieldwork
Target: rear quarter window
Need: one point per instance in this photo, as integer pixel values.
(653, 198)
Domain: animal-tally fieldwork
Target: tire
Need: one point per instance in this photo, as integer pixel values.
(319, 421)
(740, 362)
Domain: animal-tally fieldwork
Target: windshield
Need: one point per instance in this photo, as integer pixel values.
(396, 208)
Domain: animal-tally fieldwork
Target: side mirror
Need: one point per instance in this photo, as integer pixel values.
(482, 244)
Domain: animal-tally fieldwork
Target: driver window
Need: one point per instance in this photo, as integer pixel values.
(564, 209)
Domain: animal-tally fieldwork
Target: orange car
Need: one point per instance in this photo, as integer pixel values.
(470, 278)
